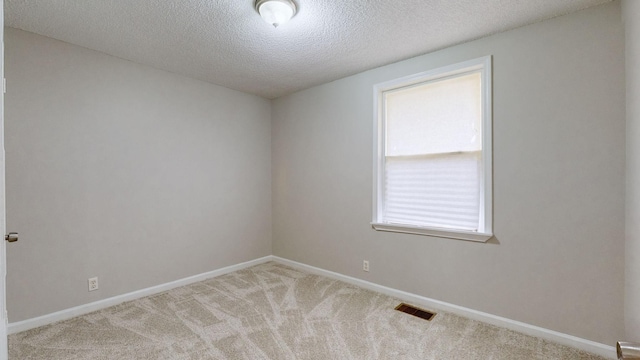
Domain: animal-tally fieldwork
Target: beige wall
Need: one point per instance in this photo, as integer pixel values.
(125, 172)
(631, 15)
(559, 157)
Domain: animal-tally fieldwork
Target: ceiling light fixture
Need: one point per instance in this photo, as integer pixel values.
(276, 12)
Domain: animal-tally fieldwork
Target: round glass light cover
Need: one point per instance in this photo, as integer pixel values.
(276, 12)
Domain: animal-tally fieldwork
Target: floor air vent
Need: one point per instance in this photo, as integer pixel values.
(412, 310)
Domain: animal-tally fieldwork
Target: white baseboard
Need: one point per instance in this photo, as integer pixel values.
(102, 304)
(554, 336)
(557, 337)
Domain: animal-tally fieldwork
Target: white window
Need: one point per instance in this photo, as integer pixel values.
(432, 165)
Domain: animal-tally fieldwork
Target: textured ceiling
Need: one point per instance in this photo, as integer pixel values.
(225, 42)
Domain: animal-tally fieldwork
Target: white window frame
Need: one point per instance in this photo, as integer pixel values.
(485, 231)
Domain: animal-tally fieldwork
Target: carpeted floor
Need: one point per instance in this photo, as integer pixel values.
(271, 311)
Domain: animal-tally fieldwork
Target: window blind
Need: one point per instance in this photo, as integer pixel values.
(433, 154)
(435, 191)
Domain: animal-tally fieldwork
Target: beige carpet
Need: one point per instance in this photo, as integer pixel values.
(271, 311)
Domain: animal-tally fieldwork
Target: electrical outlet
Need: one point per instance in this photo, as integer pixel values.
(365, 265)
(93, 283)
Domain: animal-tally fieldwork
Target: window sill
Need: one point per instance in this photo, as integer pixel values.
(437, 232)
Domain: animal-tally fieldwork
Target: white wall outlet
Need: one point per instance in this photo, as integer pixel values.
(365, 265)
(93, 283)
